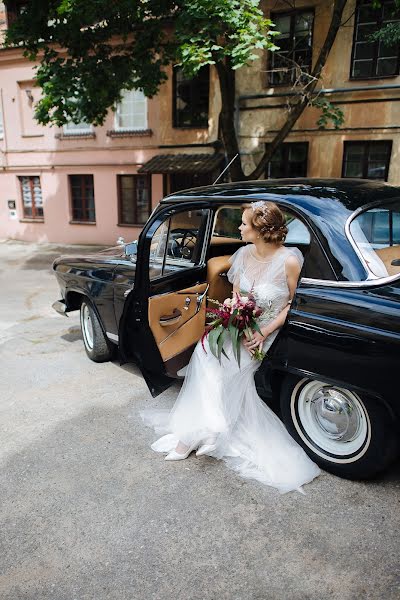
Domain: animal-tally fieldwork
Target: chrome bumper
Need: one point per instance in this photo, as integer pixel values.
(60, 307)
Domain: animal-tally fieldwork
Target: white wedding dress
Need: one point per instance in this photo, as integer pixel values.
(220, 401)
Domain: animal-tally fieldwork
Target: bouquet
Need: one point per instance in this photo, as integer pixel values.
(234, 318)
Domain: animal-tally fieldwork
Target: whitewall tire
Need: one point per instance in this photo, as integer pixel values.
(97, 346)
(346, 434)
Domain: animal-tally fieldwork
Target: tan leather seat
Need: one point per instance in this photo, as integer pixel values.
(220, 288)
(387, 255)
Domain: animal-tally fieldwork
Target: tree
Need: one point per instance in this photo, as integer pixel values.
(81, 45)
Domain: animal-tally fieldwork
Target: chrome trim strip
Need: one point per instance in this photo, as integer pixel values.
(112, 336)
(368, 283)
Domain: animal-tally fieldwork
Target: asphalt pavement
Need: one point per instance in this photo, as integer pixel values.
(89, 512)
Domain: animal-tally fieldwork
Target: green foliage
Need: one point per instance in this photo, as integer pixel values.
(88, 52)
(221, 30)
(389, 34)
(329, 113)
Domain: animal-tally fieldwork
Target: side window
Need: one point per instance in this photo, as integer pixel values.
(177, 243)
(376, 233)
(227, 221)
(225, 234)
(316, 264)
(298, 234)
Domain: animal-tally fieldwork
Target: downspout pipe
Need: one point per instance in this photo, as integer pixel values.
(361, 88)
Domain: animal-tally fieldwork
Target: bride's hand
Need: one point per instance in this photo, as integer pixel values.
(255, 342)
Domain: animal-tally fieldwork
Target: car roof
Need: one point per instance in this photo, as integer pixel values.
(307, 194)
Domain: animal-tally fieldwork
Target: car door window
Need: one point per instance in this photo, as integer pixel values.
(227, 221)
(177, 243)
(226, 236)
(376, 232)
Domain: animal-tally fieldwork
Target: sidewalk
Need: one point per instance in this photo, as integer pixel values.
(34, 255)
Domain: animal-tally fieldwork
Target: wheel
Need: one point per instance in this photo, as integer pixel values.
(345, 434)
(97, 346)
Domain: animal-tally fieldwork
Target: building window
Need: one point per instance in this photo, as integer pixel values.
(290, 160)
(82, 198)
(368, 160)
(374, 59)
(191, 98)
(14, 8)
(131, 112)
(295, 47)
(134, 199)
(81, 128)
(32, 199)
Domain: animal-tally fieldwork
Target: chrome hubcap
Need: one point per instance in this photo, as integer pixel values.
(330, 420)
(87, 326)
(336, 414)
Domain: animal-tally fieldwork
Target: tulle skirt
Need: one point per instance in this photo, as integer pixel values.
(219, 403)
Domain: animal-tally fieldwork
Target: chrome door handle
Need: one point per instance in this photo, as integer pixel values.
(200, 299)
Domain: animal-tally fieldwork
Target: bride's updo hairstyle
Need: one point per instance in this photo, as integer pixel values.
(268, 220)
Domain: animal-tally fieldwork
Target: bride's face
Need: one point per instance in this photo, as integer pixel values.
(247, 231)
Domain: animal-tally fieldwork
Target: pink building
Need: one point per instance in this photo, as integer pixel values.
(91, 185)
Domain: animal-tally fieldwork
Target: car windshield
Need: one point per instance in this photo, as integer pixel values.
(376, 232)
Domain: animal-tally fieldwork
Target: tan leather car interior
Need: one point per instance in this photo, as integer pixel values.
(387, 255)
(220, 288)
(177, 319)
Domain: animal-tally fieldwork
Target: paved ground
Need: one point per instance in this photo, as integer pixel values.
(89, 512)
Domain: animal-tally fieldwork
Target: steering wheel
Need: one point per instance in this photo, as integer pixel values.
(183, 243)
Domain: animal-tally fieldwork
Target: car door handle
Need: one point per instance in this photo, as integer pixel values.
(200, 299)
(171, 319)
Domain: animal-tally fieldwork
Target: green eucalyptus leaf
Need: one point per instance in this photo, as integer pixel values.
(213, 339)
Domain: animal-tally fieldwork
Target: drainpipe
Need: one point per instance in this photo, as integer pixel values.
(3, 151)
(361, 88)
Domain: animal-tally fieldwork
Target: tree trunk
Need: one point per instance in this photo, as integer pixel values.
(226, 78)
(298, 107)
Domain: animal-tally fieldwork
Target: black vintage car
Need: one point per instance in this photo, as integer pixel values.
(331, 371)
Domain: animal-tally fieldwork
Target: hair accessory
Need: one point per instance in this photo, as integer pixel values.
(258, 204)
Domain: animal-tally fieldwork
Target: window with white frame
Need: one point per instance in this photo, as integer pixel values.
(82, 128)
(131, 112)
(32, 200)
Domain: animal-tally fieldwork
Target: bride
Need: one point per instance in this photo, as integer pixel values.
(218, 411)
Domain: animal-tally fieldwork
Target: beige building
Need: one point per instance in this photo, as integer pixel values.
(84, 184)
(360, 77)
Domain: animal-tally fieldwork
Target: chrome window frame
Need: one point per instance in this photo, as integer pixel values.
(372, 280)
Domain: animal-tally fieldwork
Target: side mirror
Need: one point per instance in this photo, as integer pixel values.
(131, 250)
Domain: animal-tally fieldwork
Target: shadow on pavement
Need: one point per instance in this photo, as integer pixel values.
(73, 334)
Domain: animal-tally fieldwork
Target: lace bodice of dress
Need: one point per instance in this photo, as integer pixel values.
(266, 279)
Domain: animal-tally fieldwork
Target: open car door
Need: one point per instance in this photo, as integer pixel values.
(164, 315)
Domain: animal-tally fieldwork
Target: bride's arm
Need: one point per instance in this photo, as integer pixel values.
(293, 269)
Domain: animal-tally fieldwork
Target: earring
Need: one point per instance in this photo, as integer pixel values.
(258, 237)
